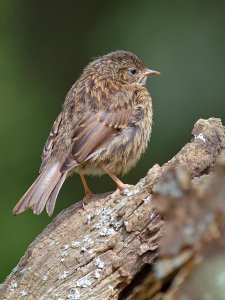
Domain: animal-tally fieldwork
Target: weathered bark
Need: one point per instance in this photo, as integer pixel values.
(100, 250)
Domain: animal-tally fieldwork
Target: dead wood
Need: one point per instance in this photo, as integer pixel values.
(104, 249)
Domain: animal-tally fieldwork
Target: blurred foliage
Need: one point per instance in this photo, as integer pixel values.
(44, 45)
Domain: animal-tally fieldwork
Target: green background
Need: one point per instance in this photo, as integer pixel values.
(44, 45)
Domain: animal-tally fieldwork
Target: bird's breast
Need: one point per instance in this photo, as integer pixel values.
(123, 152)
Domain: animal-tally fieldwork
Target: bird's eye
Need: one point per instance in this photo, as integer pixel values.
(133, 71)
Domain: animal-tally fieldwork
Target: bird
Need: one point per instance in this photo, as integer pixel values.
(104, 128)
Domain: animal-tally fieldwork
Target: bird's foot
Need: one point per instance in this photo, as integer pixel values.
(124, 186)
(122, 189)
(87, 199)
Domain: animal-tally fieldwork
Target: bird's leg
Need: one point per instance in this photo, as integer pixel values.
(120, 185)
(87, 190)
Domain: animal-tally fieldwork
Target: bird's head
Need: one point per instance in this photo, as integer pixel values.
(122, 66)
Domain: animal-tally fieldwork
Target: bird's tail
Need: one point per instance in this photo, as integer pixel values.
(43, 191)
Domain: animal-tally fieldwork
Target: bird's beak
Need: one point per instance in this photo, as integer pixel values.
(149, 72)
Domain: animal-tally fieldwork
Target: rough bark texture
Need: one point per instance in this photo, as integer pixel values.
(104, 249)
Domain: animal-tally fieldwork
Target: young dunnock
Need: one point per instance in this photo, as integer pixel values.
(104, 127)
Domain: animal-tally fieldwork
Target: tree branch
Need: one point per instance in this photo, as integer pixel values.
(97, 251)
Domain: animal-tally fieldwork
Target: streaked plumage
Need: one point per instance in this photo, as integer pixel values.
(104, 126)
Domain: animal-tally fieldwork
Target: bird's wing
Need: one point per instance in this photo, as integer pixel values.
(50, 142)
(93, 132)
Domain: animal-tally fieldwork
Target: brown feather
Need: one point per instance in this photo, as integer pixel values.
(38, 194)
(50, 205)
(50, 142)
(93, 135)
(106, 120)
